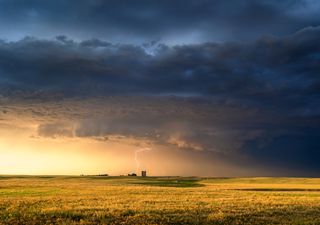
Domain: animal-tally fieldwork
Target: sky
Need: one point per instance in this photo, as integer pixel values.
(185, 87)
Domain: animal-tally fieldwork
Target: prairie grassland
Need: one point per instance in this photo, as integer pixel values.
(124, 200)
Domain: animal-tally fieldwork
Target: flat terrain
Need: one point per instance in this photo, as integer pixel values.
(158, 200)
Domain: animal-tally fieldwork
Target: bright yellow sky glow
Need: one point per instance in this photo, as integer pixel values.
(23, 154)
(23, 151)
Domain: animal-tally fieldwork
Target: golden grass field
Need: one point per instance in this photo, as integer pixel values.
(158, 200)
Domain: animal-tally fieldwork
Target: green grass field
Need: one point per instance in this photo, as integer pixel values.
(126, 200)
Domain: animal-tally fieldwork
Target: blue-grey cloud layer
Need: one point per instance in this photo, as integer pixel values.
(170, 21)
(270, 72)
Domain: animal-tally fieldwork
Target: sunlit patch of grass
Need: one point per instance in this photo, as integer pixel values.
(7, 192)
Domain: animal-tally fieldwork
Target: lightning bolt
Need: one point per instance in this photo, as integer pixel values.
(136, 157)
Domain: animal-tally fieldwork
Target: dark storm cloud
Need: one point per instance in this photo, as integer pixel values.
(170, 21)
(275, 73)
(185, 123)
(257, 100)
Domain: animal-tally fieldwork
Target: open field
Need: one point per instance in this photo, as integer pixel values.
(126, 200)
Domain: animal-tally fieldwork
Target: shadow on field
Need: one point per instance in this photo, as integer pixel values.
(290, 215)
(7, 177)
(160, 182)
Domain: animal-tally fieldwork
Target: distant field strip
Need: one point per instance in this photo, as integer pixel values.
(278, 189)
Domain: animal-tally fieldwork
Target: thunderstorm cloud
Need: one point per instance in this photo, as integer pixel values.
(237, 79)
